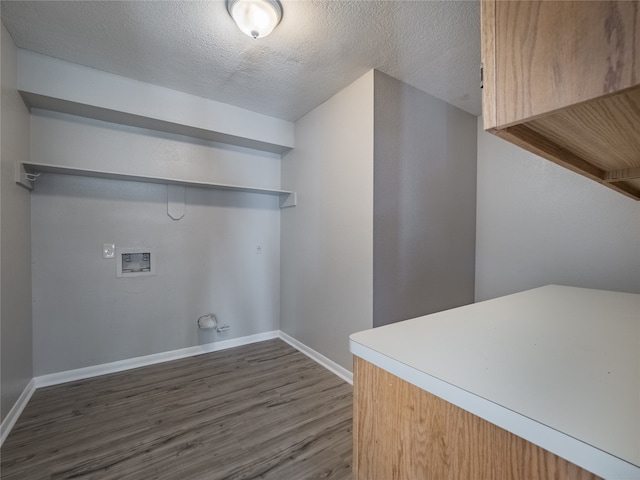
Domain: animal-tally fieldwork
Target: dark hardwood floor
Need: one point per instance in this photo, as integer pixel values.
(261, 411)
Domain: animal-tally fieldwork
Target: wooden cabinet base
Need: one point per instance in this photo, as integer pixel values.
(402, 432)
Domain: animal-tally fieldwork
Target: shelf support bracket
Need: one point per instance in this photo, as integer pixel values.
(176, 201)
(288, 200)
(22, 177)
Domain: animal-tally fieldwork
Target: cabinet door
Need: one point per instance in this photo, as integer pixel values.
(541, 56)
(402, 432)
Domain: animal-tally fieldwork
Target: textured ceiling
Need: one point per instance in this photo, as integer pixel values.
(320, 47)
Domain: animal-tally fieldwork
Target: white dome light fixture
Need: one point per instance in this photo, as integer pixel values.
(256, 18)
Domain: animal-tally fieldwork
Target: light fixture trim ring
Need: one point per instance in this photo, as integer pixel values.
(275, 4)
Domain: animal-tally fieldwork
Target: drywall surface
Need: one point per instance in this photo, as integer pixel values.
(538, 224)
(424, 203)
(120, 97)
(72, 141)
(206, 261)
(15, 255)
(327, 239)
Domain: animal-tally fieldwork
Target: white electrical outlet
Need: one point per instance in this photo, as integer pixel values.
(108, 250)
(259, 249)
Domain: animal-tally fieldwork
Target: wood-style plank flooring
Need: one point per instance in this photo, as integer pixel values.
(261, 411)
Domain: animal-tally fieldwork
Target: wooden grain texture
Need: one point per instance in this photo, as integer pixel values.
(565, 83)
(259, 411)
(541, 145)
(609, 130)
(635, 184)
(553, 54)
(488, 47)
(623, 174)
(402, 432)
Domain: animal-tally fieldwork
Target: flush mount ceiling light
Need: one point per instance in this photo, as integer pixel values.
(256, 18)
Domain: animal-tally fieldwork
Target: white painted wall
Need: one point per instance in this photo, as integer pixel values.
(424, 203)
(121, 99)
(72, 141)
(207, 261)
(538, 224)
(15, 256)
(327, 239)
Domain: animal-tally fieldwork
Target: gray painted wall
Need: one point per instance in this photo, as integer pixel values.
(539, 224)
(207, 261)
(15, 256)
(424, 203)
(327, 239)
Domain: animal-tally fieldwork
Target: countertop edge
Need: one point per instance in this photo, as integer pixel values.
(576, 451)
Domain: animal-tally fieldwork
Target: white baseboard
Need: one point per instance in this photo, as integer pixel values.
(330, 365)
(129, 363)
(13, 415)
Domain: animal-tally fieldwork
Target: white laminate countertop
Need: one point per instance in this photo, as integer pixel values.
(558, 366)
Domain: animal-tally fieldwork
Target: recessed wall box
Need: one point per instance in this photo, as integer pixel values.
(135, 262)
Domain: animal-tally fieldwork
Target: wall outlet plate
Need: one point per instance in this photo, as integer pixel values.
(108, 250)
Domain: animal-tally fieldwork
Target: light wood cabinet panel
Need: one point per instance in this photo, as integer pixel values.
(402, 432)
(562, 79)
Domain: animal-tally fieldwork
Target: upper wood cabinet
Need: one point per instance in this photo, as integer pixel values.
(562, 80)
